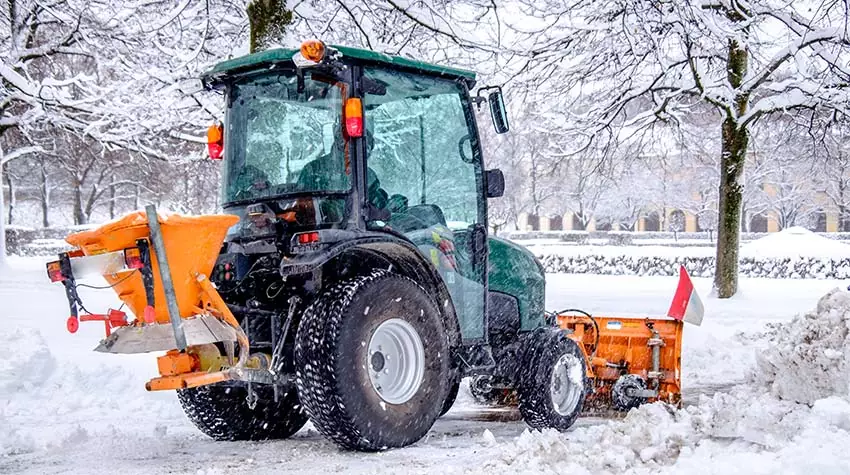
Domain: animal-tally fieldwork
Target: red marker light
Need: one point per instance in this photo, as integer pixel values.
(133, 258)
(215, 141)
(354, 117)
(308, 238)
(54, 271)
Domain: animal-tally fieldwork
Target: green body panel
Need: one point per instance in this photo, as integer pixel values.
(254, 61)
(514, 270)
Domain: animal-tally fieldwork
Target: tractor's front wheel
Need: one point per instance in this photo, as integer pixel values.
(372, 359)
(222, 412)
(553, 386)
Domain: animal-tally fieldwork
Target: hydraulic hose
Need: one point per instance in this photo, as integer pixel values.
(595, 326)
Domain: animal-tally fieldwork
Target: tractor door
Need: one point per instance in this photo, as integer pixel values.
(425, 169)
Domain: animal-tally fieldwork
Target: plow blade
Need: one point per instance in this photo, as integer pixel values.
(631, 361)
(199, 330)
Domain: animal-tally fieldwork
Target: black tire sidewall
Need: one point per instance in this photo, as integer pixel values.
(222, 412)
(375, 419)
(544, 350)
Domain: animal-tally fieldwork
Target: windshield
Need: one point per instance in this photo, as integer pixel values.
(282, 138)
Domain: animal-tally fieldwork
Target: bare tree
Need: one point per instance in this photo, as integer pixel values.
(643, 61)
(830, 146)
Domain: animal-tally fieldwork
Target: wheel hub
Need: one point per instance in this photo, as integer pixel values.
(396, 361)
(566, 385)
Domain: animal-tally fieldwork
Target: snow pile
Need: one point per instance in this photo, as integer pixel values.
(808, 357)
(79, 402)
(795, 242)
(801, 425)
(716, 435)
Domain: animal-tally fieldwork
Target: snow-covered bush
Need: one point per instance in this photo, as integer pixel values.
(775, 268)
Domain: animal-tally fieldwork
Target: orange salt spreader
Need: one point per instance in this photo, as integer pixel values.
(169, 292)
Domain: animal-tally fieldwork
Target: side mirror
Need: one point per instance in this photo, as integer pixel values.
(498, 111)
(494, 182)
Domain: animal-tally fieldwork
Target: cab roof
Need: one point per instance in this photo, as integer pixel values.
(281, 55)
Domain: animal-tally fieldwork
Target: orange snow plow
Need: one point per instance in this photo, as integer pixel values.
(178, 310)
(630, 361)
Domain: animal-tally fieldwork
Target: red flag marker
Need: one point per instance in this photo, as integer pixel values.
(686, 303)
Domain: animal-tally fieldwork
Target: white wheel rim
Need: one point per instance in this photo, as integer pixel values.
(567, 384)
(396, 361)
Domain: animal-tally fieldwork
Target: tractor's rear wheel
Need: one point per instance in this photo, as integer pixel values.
(372, 362)
(454, 388)
(553, 384)
(223, 413)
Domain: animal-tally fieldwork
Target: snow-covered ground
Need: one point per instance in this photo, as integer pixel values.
(66, 409)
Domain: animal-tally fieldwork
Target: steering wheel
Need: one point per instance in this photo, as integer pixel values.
(461, 149)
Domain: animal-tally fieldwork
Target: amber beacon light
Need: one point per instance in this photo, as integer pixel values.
(314, 50)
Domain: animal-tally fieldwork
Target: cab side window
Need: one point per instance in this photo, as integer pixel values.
(422, 149)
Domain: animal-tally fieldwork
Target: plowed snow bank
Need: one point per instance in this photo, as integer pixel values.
(799, 426)
(807, 358)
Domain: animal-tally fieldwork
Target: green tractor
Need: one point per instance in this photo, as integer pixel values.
(359, 280)
(360, 182)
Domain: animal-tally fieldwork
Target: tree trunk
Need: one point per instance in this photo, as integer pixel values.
(79, 215)
(729, 215)
(2, 222)
(111, 201)
(45, 198)
(734, 139)
(12, 201)
(268, 20)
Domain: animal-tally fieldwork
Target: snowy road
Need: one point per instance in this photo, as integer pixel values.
(65, 409)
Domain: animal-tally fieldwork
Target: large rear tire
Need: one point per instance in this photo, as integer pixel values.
(454, 388)
(222, 412)
(554, 382)
(372, 362)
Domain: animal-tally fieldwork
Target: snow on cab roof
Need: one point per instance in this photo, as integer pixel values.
(281, 55)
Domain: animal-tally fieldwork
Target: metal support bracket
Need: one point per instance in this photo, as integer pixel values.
(165, 275)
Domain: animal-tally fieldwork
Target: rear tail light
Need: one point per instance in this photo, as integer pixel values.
(54, 271)
(354, 117)
(133, 258)
(308, 238)
(215, 141)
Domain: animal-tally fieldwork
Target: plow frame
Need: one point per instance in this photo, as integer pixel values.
(649, 348)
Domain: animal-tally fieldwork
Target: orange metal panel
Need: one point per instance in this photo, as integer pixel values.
(622, 344)
(190, 380)
(175, 362)
(193, 244)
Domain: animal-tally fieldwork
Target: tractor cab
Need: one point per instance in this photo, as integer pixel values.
(329, 150)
